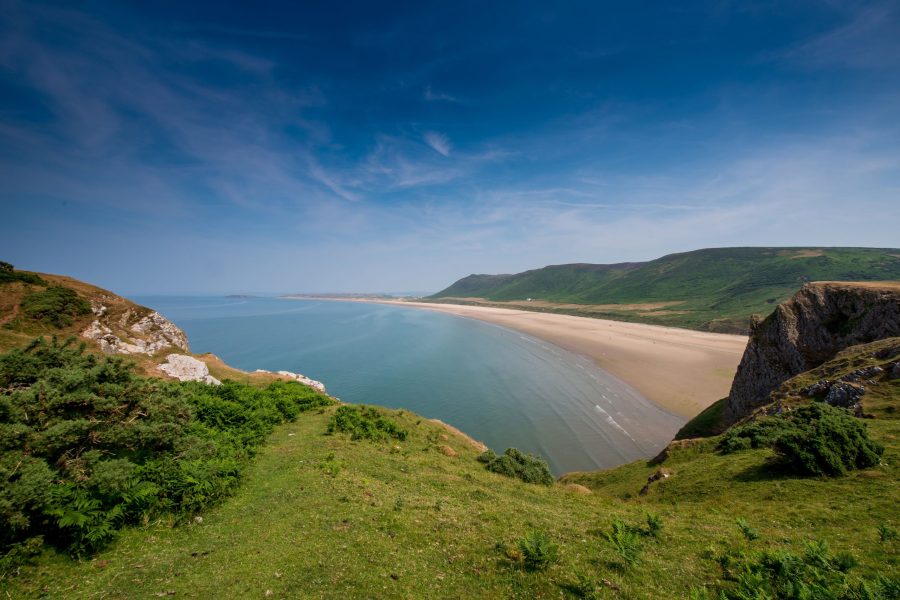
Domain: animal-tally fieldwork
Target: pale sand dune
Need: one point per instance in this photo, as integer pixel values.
(681, 370)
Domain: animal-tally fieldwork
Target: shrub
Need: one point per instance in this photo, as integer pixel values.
(537, 550)
(625, 540)
(514, 463)
(87, 446)
(826, 441)
(816, 439)
(9, 274)
(55, 305)
(364, 423)
(757, 434)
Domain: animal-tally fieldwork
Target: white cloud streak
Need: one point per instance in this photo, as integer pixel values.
(438, 142)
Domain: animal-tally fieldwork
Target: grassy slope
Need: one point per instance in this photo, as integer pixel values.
(716, 289)
(322, 516)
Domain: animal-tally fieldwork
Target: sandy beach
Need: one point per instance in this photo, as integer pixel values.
(681, 370)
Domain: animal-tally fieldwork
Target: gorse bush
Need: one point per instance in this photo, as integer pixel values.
(56, 306)
(514, 463)
(364, 423)
(87, 446)
(817, 439)
(826, 441)
(9, 274)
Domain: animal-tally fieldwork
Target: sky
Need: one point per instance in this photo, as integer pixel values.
(191, 147)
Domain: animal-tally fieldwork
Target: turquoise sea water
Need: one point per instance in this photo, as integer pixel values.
(499, 386)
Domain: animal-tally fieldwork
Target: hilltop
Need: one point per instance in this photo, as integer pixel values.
(715, 289)
(341, 502)
(46, 305)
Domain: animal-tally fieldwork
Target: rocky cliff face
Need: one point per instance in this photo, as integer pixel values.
(805, 331)
(134, 331)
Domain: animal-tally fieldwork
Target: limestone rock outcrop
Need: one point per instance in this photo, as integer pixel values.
(187, 368)
(807, 330)
(133, 332)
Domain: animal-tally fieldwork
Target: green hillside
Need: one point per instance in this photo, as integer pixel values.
(321, 515)
(714, 289)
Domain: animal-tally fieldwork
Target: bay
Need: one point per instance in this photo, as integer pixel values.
(499, 386)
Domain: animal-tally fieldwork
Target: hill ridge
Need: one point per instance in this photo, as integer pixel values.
(716, 289)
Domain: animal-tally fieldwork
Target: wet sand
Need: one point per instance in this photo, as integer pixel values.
(680, 370)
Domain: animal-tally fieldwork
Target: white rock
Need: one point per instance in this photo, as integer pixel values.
(187, 368)
(316, 385)
(162, 330)
(152, 333)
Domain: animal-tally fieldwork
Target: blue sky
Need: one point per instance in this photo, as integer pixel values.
(165, 148)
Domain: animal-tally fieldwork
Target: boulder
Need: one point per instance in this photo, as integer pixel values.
(187, 368)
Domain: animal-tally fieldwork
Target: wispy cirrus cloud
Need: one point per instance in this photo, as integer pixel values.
(433, 96)
(868, 39)
(438, 142)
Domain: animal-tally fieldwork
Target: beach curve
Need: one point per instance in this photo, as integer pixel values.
(680, 370)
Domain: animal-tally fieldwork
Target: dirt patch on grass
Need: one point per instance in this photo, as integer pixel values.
(804, 253)
(474, 443)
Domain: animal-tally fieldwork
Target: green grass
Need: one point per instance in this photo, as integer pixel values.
(402, 520)
(714, 289)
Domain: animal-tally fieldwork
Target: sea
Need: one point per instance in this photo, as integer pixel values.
(499, 386)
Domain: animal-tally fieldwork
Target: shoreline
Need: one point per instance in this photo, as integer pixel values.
(680, 370)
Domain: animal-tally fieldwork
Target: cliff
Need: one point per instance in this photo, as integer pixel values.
(805, 331)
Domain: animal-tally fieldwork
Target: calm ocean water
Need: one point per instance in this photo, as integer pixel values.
(499, 386)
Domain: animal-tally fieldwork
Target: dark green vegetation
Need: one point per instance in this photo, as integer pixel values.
(817, 439)
(8, 274)
(86, 446)
(714, 289)
(364, 423)
(515, 463)
(814, 573)
(33, 305)
(56, 306)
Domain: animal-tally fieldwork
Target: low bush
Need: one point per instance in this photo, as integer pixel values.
(826, 441)
(87, 446)
(816, 439)
(364, 423)
(514, 463)
(56, 306)
(8, 274)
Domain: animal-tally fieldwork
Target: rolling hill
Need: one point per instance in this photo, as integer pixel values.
(715, 289)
